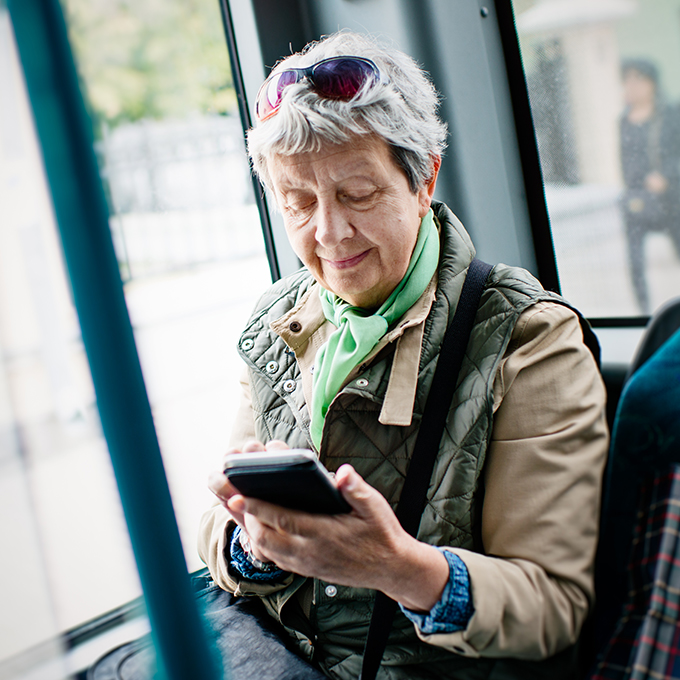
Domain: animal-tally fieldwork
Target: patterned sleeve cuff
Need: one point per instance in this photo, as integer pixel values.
(454, 609)
(239, 562)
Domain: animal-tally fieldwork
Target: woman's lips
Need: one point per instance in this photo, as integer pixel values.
(348, 262)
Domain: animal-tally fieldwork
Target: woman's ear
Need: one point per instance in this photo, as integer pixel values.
(426, 192)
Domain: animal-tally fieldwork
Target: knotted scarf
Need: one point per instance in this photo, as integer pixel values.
(359, 330)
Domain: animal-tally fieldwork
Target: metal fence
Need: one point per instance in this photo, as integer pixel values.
(180, 193)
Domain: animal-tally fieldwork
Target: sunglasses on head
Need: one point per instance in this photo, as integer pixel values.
(333, 78)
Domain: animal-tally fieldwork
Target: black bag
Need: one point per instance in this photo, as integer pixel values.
(239, 626)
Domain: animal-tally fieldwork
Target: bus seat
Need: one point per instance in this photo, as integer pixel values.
(661, 326)
(645, 440)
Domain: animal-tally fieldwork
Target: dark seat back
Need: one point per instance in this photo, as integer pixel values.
(645, 440)
(661, 326)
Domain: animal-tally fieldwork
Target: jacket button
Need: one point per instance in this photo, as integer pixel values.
(295, 326)
(289, 386)
(272, 367)
(331, 591)
(362, 382)
(247, 344)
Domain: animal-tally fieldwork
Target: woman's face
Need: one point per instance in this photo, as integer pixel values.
(638, 89)
(350, 216)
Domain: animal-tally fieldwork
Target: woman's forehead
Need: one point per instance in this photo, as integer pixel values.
(362, 157)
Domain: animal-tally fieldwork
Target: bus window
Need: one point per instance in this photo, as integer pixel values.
(61, 525)
(604, 90)
(184, 219)
(190, 248)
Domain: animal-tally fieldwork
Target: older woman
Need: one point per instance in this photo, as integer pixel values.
(340, 357)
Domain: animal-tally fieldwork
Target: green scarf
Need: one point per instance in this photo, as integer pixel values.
(359, 331)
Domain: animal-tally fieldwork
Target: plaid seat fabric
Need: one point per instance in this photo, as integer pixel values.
(646, 643)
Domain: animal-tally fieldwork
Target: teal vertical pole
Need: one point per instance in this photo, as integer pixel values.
(65, 132)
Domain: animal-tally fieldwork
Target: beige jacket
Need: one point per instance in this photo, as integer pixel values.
(533, 587)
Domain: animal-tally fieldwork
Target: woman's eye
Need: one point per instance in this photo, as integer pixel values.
(359, 198)
(299, 205)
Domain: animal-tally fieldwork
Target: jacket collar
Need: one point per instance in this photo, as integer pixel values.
(305, 329)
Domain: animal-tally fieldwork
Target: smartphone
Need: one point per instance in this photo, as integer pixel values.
(292, 478)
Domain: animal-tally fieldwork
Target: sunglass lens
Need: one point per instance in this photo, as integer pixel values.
(269, 97)
(342, 78)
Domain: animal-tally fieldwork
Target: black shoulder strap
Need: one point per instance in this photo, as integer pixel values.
(414, 494)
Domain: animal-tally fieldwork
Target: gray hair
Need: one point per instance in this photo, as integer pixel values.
(403, 111)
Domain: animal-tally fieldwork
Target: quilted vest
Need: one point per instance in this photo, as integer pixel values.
(336, 630)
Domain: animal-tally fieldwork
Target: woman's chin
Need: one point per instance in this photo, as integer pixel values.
(366, 298)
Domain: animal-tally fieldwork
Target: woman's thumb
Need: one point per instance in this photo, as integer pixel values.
(353, 488)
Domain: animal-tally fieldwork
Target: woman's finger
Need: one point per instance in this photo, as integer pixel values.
(248, 447)
(224, 490)
(253, 445)
(276, 445)
(279, 519)
(221, 486)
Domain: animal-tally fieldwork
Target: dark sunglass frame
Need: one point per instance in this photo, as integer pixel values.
(337, 83)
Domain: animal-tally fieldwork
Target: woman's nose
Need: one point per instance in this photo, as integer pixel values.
(332, 226)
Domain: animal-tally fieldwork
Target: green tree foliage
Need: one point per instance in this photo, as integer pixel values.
(151, 58)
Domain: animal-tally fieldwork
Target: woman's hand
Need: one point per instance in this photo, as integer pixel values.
(364, 548)
(656, 182)
(225, 490)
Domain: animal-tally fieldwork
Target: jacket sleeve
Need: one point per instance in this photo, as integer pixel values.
(213, 547)
(533, 586)
(243, 428)
(216, 524)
